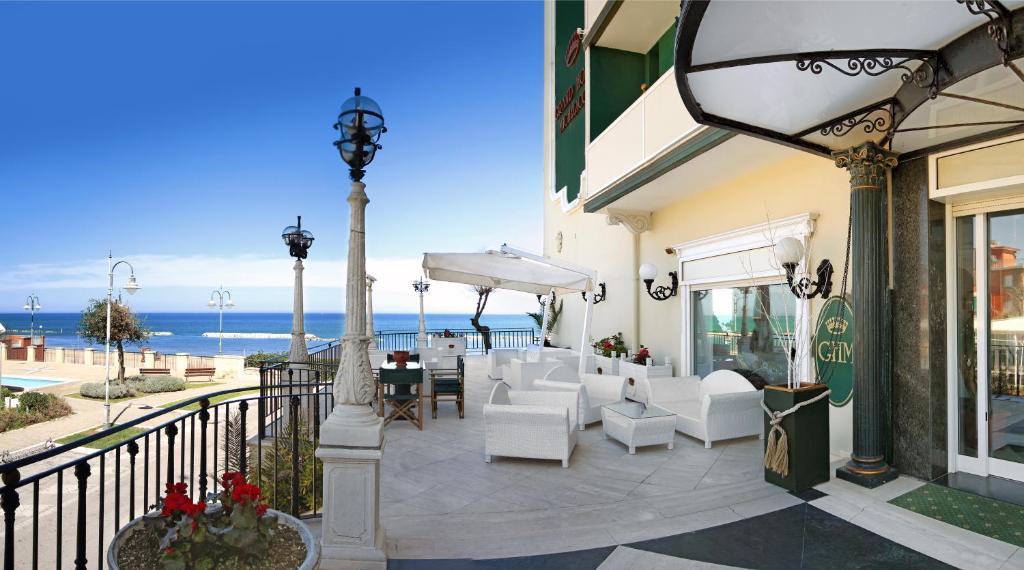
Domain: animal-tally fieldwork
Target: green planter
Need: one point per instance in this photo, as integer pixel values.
(807, 436)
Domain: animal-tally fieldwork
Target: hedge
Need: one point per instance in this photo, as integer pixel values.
(97, 390)
(156, 384)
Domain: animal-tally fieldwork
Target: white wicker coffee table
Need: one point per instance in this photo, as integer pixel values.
(637, 425)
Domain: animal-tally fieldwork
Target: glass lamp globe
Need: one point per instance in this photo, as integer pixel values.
(789, 250)
(212, 303)
(307, 238)
(360, 112)
(287, 233)
(230, 303)
(27, 307)
(132, 286)
(648, 271)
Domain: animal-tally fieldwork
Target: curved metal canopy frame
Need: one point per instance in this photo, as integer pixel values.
(925, 75)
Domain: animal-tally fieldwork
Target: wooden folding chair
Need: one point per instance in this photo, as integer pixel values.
(401, 389)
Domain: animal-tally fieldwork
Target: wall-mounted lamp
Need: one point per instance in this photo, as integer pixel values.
(789, 251)
(661, 293)
(598, 297)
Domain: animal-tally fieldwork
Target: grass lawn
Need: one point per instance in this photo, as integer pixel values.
(213, 400)
(118, 437)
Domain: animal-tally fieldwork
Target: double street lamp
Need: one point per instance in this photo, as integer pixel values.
(217, 299)
(32, 305)
(131, 286)
(421, 287)
(298, 241)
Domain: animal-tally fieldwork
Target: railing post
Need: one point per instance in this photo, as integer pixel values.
(9, 501)
(243, 406)
(171, 431)
(295, 455)
(204, 419)
(82, 472)
(133, 450)
(261, 407)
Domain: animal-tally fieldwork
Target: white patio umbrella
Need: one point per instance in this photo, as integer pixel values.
(516, 270)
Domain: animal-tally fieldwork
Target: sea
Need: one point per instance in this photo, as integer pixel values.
(183, 332)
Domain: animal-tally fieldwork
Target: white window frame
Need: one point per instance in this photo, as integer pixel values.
(749, 238)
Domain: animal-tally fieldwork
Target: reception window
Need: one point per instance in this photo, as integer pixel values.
(744, 328)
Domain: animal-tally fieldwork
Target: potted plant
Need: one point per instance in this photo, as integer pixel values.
(607, 351)
(235, 531)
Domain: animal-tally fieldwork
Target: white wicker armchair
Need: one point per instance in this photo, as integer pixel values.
(529, 423)
(722, 406)
(595, 390)
(498, 359)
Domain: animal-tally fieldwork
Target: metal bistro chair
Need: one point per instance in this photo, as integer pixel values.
(402, 389)
(448, 384)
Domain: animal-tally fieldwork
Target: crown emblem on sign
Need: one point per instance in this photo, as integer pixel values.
(836, 325)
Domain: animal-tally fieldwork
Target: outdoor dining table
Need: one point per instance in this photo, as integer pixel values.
(402, 389)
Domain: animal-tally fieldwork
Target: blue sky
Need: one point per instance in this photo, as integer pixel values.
(185, 136)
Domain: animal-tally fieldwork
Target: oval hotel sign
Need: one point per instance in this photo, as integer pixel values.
(833, 349)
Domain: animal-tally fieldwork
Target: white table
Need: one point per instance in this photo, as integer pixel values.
(637, 425)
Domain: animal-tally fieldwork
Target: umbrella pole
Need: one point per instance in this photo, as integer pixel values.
(588, 317)
(547, 315)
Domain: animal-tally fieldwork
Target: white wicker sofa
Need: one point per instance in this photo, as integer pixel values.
(723, 405)
(595, 390)
(530, 423)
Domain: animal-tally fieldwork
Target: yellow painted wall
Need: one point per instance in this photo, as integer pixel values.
(797, 185)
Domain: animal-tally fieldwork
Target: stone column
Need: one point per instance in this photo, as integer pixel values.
(868, 165)
(88, 356)
(370, 280)
(352, 437)
(421, 336)
(149, 359)
(298, 351)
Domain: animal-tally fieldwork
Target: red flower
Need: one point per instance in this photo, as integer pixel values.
(232, 478)
(168, 551)
(261, 509)
(245, 492)
(181, 488)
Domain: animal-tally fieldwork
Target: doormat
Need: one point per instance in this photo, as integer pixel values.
(989, 517)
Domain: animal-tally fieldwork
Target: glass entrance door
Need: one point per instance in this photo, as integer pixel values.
(1006, 344)
(988, 372)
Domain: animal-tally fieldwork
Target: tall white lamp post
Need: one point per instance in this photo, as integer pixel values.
(217, 299)
(298, 241)
(32, 305)
(421, 287)
(3, 355)
(131, 287)
(352, 437)
(370, 280)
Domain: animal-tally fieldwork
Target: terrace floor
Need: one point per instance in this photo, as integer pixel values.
(444, 507)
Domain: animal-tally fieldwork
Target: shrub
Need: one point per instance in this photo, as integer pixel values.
(5, 393)
(276, 477)
(257, 359)
(34, 409)
(155, 384)
(97, 391)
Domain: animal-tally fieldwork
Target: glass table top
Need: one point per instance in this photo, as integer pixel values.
(637, 410)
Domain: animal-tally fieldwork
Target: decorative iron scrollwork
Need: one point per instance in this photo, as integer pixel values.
(923, 76)
(598, 297)
(998, 22)
(879, 119)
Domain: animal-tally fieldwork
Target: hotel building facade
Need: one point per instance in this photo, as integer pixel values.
(633, 178)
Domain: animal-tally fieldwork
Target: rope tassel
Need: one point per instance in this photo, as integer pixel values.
(776, 452)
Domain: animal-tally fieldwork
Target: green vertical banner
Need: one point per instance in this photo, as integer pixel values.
(570, 81)
(833, 349)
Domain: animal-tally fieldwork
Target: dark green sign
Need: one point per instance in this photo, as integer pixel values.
(833, 349)
(570, 141)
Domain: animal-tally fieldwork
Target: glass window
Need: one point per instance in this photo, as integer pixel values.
(966, 337)
(739, 328)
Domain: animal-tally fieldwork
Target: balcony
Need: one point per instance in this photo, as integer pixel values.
(652, 126)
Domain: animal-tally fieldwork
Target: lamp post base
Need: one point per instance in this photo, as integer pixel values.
(351, 536)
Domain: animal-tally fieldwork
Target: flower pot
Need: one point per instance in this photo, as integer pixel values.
(806, 435)
(311, 562)
(401, 358)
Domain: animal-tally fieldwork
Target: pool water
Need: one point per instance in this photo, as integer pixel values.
(29, 383)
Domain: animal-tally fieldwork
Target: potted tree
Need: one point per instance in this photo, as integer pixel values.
(237, 531)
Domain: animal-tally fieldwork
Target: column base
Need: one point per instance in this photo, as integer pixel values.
(355, 557)
(351, 534)
(866, 479)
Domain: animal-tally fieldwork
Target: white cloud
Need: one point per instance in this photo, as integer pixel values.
(267, 281)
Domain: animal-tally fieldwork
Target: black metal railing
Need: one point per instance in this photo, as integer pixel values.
(193, 441)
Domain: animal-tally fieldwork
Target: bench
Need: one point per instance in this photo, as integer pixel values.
(154, 371)
(199, 373)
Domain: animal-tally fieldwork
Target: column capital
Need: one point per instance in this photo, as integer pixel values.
(867, 164)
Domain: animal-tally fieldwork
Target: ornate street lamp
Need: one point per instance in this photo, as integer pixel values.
(32, 305)
(352, 437)
(648, 272)
(789, 252)
(298, 241)
(131, 286)
(217, 300)
(421, 287)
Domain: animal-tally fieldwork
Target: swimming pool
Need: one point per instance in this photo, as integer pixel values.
(29, 383)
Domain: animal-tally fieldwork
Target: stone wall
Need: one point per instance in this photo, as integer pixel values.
(919, 325)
